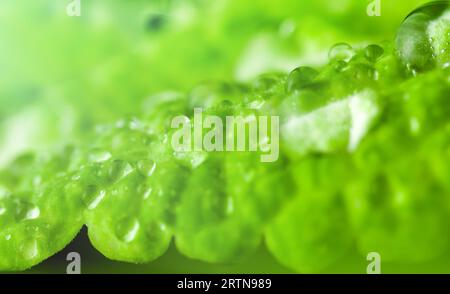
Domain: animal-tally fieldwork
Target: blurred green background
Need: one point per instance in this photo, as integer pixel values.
(61, 75)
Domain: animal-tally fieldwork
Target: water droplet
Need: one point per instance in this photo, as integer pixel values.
(26, 211)
(29, 249)
(165, 138)
(339, 65)
(92, 196)
(421, 37)
(341, 51)
(300, 78)
(373, 52)
(256, 104)
(127, 229)
(135, 124)
(147, 193)
(265, 83)
(8, 237)
(118, 169)
(155, 232)
(191, 159)
(98, 155)
(146, 167)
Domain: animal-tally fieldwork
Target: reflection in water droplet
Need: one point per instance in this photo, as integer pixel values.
(127, 229)
(92, 196)
(26, 211)
(146, 167)
(341, 51)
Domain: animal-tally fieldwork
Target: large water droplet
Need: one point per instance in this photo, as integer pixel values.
(422, 40)
(26, 211)
(127, 229)
(341, 51)
(146, 167)
(92, 196)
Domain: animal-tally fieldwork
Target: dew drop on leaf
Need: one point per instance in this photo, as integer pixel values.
(118, 169)
(92, 196)
(341, 51)
(29, 249)
(26, 211)
(146, 167)
(373, 52)
(127, 229)
(300, 77)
